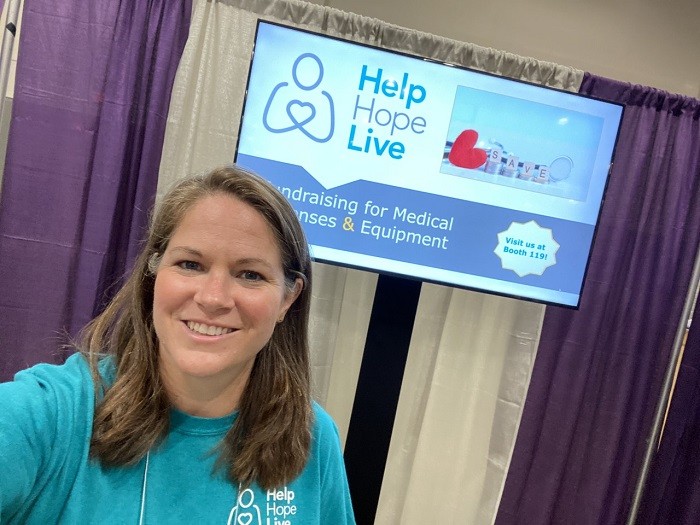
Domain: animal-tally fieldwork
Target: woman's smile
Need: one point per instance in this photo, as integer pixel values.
(207, 329)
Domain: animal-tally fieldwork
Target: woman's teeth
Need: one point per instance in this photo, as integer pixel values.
(205, 329)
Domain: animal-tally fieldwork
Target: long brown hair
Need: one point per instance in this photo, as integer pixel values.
(270, 439)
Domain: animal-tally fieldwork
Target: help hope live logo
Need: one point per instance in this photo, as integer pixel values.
(383, 113)
(371, 112)
(303, 115)
(278, 508)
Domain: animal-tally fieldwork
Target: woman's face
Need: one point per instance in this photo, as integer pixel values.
(219, 291)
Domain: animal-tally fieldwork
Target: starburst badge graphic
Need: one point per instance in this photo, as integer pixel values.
(526, 248)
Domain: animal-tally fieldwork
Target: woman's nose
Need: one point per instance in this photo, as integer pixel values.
(215, 292)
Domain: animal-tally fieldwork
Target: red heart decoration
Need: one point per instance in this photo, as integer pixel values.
(463, 152)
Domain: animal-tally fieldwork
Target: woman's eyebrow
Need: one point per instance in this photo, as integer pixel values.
(244, 261)
(254, 260)
(187, 250)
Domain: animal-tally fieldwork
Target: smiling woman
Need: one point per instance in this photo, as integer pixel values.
(190, 399)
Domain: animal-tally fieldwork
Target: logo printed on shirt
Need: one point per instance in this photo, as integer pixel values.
(279, 508)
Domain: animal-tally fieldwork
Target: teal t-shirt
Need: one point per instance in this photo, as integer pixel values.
(46, 475)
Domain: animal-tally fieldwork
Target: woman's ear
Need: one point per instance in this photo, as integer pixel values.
(292, 295)
(154, 262)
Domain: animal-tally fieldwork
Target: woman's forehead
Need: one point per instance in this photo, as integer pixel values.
(225, 223)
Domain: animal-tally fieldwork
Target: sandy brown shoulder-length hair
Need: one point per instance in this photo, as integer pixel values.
(269, 442)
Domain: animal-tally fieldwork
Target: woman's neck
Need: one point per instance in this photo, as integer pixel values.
(208, 397)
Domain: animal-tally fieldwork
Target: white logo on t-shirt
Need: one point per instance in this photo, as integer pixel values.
(279, 508)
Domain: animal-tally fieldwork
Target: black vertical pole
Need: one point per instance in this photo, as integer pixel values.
(378, 388)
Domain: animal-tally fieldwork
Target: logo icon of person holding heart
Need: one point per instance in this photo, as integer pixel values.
(305, 109)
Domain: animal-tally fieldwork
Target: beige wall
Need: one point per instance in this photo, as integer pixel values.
(650, 42)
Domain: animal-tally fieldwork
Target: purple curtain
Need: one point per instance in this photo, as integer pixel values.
(92, 92)
(672, 493)
(599, 370)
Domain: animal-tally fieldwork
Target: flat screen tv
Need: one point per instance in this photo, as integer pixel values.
(406, 166)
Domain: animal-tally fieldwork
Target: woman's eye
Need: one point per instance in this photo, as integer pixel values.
(189, 265)
(249, 275)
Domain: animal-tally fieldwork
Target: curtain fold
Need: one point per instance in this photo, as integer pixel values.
(471, 355)
(339, 321)
(466, 378)
(92, 90)
(671, 494)
(599, 370)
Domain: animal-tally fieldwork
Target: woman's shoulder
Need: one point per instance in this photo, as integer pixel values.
(321, 417)
(45, 428)
(324, 427)
(52, 387)
(327, 463)
(72, 373)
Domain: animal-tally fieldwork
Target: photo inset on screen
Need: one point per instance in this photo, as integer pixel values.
(521, 144)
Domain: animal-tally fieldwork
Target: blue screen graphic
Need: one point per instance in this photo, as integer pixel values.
(411, 167)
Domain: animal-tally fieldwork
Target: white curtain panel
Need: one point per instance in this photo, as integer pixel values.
(465, 383)
(471, 354)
